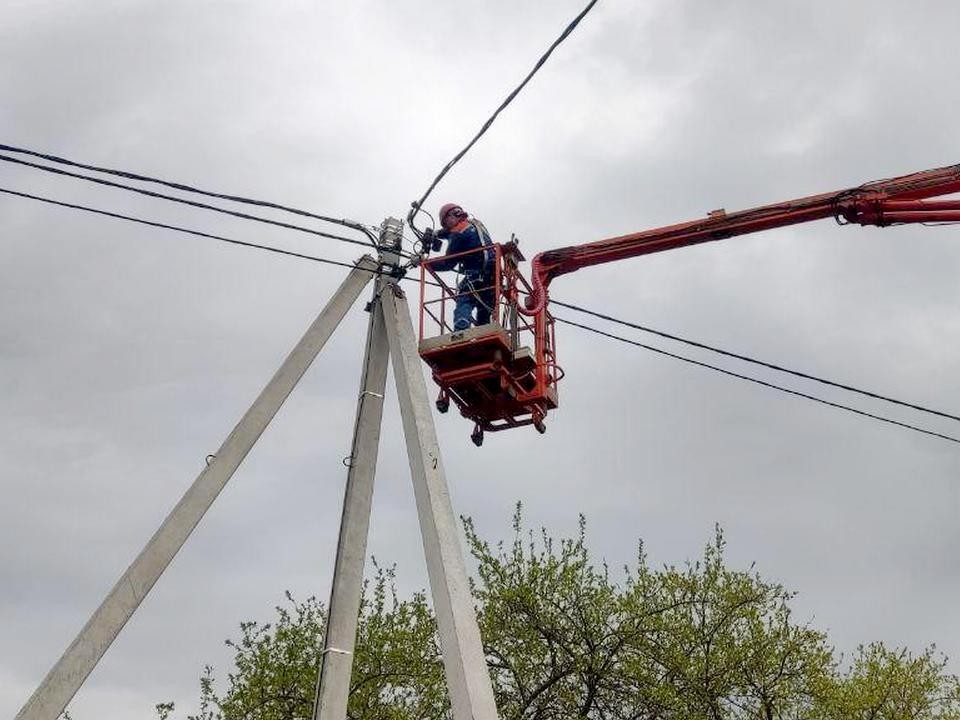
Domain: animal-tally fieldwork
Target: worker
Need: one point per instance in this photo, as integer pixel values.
(476, 289)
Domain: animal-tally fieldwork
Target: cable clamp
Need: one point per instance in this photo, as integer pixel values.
(371, 392)
(335, 650)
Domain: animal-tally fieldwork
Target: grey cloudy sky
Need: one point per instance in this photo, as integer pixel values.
(127, 353)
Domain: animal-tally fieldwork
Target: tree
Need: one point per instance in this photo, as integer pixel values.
(564, 639)
(721, 643)
(884, 684)
(397, 670)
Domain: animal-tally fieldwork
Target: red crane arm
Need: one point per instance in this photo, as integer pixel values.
(883, 202)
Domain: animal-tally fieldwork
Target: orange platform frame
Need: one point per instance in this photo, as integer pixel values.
(500, 375)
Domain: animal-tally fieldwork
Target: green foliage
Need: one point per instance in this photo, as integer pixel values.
(700, 641)
(565, 640)
(884, 684)
(397, 671)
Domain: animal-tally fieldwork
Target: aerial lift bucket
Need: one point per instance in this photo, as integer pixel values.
(500, 375)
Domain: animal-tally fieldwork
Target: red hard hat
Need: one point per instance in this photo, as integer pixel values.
(450, 208)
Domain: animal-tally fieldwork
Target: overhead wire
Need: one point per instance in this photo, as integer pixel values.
(189, 188)
(327, 261)
(757, 381)
(420, 209)
(182, 201)
(417, 204)
(180, 229)
(755, 361)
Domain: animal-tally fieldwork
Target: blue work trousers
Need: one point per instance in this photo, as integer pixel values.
(474, 291)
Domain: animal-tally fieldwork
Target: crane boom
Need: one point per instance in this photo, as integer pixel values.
(505, 373)
(883, 202)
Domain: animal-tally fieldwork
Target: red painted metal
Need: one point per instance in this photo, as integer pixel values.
(498, 388)
(501, 375)
(883, 202)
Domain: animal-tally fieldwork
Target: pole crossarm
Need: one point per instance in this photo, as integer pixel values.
(333, 687)
(465, 667)
(83, 654)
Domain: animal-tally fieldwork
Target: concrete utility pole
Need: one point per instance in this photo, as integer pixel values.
(342, 614)
(390, 336)
(465, 667)
(65, 678)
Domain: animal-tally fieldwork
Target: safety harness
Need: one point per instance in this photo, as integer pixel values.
(488, 254)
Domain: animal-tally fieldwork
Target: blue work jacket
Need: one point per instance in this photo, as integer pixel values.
(473, 236)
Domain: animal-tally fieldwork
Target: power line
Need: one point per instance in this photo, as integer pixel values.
(756, 381)
(189, 188)
(183, 201)
(762, 363)
(486, 126)
(177, 228)
(326, 261)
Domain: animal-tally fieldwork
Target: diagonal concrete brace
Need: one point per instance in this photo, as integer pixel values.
(468, 679)
(83, 654)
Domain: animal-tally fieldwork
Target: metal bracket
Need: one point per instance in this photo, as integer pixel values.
(335, 650)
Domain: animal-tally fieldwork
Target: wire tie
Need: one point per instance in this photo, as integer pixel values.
(336, 650)
(371, 392)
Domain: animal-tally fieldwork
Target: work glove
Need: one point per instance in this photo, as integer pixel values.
(443, 233)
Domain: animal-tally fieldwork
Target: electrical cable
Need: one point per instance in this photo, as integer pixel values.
(486, 126)
(188, 231)
(326, 261)
(745, 358)
(418, 209)
(183, 201)
(189, 188)
(757, 381)
(418, 246)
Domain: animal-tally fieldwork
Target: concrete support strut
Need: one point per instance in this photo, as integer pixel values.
(333, 687)
(465, 667)
(65, 678)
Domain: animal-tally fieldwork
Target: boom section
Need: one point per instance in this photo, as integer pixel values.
(893, 201)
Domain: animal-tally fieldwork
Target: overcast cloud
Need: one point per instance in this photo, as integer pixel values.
(127, 353)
